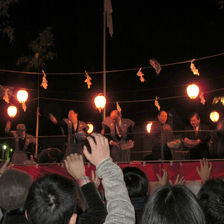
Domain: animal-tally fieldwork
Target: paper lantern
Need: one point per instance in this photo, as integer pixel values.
(214, 116)
(12, 111)
(22, 96)
(90, 130)
(192, 91)
(148, 127)
(100, 102)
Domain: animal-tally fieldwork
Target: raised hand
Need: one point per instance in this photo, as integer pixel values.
(99, 150)
(178, 181)
(205, 171)
(75, 165)
(163, 179)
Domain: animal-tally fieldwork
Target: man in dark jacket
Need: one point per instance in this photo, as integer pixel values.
(71, 126)
(196, 140)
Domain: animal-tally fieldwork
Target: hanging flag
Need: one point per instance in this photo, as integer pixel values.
(6, 96)
(157, 103)
(118, 107)
(222, 100)
(202, 99)
(44, 81)
(140, 74)
(87, 80)
(215, 100)
(156, 65)
(108, 10)
(193, 68)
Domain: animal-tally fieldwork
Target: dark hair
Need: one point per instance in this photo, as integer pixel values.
(52, 199)
(75, 111)
(55, 155)
(211, 198)
(173, 205)
(194, 114)
(136, 181)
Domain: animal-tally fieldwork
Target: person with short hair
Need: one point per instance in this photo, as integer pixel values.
(173, 205)
(119, 132)
(71, 126)
(196, 140)
(54, 197)
(158, 128)
(14, 188)
(137, 184)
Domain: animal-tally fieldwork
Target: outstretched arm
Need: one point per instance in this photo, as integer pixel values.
(96, 211)
(53, 119)
(119, 207)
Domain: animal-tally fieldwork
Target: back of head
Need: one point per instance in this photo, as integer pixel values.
(52, 199)
(173, 205)
(136, 181)
(14, 187)
(211, 198)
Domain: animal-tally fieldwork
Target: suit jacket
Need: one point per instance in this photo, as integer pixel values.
(110, 131)
(202, 148)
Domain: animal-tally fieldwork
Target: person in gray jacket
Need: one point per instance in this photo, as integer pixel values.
(119, 207)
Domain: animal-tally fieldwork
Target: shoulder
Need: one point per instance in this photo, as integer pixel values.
(204, 126)
(30, 138)
(128, 122)
(107, 121)
(82, 124)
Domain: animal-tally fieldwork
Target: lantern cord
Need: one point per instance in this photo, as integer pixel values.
(113, 71)
(129, 101)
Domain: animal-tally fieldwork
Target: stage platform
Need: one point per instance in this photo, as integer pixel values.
(184, 168)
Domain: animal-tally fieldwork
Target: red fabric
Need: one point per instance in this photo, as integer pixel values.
(186, 169)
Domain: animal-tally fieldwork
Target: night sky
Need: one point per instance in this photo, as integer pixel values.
(169, 31)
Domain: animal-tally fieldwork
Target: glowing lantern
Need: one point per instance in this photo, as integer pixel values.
(148, 127)
(100, 102)
(90, 130)
(214, 116)
(192, 91)
(22, 96)
(12, 111)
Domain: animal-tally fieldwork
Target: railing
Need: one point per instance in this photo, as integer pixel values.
(142, 148)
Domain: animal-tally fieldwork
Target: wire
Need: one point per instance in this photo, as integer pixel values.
(113, 71)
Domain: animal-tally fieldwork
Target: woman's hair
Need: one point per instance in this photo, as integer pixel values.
(173, 205)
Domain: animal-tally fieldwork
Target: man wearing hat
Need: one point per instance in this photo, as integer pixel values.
(24, 143)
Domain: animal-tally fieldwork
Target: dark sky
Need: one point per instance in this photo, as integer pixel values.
(169, 31)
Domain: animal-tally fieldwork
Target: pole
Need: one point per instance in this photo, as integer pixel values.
(104, 58)
(162, 147)
(37, 118)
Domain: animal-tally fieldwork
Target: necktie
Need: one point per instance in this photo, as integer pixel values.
(119, 129)
(196, 133)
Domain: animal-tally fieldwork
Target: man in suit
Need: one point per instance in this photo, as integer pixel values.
(196, 141)
(71, 126)
(119, 132)
(158, 128)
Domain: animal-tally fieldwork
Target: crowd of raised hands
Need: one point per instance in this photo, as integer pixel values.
(115, 206)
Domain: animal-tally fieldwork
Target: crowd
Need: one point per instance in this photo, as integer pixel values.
(126, 198)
